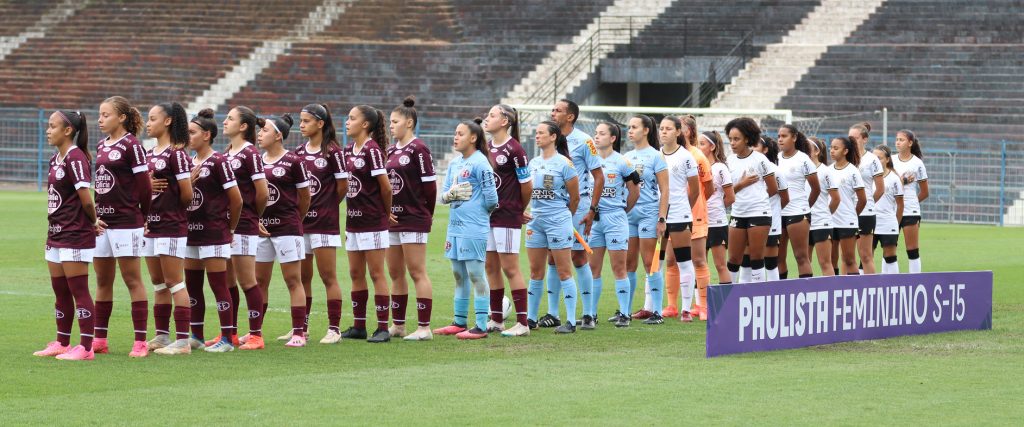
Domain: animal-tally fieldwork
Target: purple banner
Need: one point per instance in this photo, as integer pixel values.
(823, 310)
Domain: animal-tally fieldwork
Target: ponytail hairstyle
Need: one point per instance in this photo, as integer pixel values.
(851, 150)
(679, 127)
(512, 115)
(282, 125)
(133, 118)
(561, 143)
(864, 129)
(178, 130)
(746, 126)
(616, 132)
(408, 110)
(248, 117)
(652, 130)
(801, 139)
(691, 123)
(915, 145)
(330, 135)
(716, 145)
(478, 131)
(204, 119)
(76, 120)
(887, 161)
(771, 148)
(378, 129)
(822, 152)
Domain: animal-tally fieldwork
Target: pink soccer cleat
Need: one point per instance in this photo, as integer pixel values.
(99, 346)
(450, 329)
(78, 353)
(296, 341)
(139, 349)
(472, 334)
(53, 348)
(686, 317)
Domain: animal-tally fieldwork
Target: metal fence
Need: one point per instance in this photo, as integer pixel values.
(980, 184)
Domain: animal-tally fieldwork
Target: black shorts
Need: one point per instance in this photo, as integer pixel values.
(866, 224)
(718, 236)
(886, 240)
(822, 235)
(754, 221)
(909, 220)
(677, 227)
(788, 220)
(773, 241)
(843, 233)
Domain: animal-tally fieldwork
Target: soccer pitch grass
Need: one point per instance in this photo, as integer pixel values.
(642, 375)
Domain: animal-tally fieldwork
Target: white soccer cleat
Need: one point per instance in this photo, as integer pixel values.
(421, 334)
(397, 330)
(518, 330)
(159, 341)
(332, 337)
(176, 347)
(493, 326)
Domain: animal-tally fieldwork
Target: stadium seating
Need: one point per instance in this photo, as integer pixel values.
(15, 17)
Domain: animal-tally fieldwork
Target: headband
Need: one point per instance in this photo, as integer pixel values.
(320, 114)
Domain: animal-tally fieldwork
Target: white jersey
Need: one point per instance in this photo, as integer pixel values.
(751, 201)
(721, 178)
(870, 167)
(847, 180)
(821, 216)
(794, 171)
(681, 166)
(776, 202)
(885, 209)
(915, 167)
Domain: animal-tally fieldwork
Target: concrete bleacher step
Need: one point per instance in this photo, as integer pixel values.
(56, 15)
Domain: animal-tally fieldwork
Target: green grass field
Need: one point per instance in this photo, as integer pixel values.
(643, 375)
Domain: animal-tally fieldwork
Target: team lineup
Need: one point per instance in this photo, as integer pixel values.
(197, 215)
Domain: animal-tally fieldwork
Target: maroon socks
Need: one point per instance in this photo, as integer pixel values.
(197, 300)
(84, 308)
(254, 300)
(140, 317)
(383, 303)
(219, 285)
(64, 309)
(497, 311)
(519, 302)
(398, 303)
(334, 314)
(182, 317)
(423, 306)
(103, 310)
(162, 318)
(235, 300)
(359, 299)
(298, 320)
(309, 307)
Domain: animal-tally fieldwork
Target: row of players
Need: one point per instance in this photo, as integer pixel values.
(232, 215)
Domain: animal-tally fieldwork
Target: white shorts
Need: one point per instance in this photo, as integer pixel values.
(368, 241)
(116, 243)
(406, 237)
(59, 255)
(244, 245)
(283, 249)
(209, 251)
(504, 240)
(317, 241)
(169, 246)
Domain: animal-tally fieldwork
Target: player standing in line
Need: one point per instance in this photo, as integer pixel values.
(647, 220)
(71, 235)
(414, 194)
(122, 203)
(754, 181)
(847, 177)
(871, 175)
(797, 169)
(684, 190)
(583, 154)
(555, 196)
(720, 198)
(611, 229)
(213, 216)
(328, 184)
(469, 190)
(366, 226)
(281, 222)
(780, 200)
(820, 234)
(910, 167)
(514, 185)
(167, 225)
(889, 212)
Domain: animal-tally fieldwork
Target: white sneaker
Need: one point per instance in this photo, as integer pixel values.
(493, 326)
(220, 347)
(519, 330)
(196, 344)
(176, 347)
(421, 334)
(397, 330)
(159, 341)
(286, 337)
(332, 337)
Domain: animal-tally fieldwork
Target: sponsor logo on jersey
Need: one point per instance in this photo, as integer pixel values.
(114, 155)
(59, 174)
(591, 146)
(358, 163)
(278, 172)
(53, 200)
(314, 184)
(104, 180)
(273, 194)
(320, 162)
(204, 172)
(501, 159)
(404, 160)
(497, 180)
(549, 182)
(397, 183)
(236, 163)
(160, 164)
(354, 186)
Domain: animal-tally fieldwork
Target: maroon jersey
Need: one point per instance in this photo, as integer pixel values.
(284, 177)
(167, 218)
(511, 168)
(247, 164)
(409, 167)
(209, 215)
(69, 225)
(323, 172)
(365, 207)
(117, 163)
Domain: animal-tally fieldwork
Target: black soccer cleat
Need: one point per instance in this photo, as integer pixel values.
(549, 321)
(588, 323)
(532, 324)
(622, 321)
(379, 336)
(615, 317)
(354, 333)
(655, 319)
(566, 328)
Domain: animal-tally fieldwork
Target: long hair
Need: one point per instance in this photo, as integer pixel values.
(178, 130)
(378, 129)
(476, 130)
(748, 127)
(330, 135)
(204, 119)
(864, 129)
(248, 117)
(616, 132)
(652, 130)
(887, 161)
(512, 115)
(561, 143)
(851, 150)
(801, 139)
(717, 151)
(76, 120)
(771, 148)
(915, 145)
(822, 152)
(679, 127)
(133, 118)
(283, 124)
(408, 110)
(691, 123)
